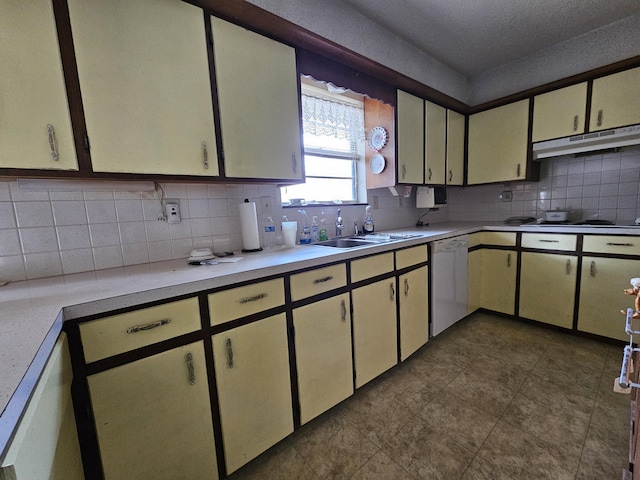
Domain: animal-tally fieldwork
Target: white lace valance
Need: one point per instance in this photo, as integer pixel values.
(333, 119)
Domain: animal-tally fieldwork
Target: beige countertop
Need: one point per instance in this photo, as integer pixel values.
(33, 311)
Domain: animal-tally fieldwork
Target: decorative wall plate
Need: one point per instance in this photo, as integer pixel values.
(377, 164)
(378, 138)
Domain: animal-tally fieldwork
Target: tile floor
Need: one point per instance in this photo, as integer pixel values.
(490, 398)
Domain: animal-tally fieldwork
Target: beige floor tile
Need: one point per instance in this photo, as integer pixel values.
(481, 469)
(279, 463)
(381, 467)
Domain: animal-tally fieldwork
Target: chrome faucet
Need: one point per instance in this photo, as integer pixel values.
(339, 224)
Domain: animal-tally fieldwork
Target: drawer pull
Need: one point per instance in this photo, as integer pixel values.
(392, 292)
(600, 118)
(52, 142)
(518, 171)
(568, 267)
(592, 269)
(323, 279)
(148, 326)
(192, 372)
(343, 306)
(613, 244)
(450, 175)
(430, 175)
(406, 287)
(549, 241)
(575, 123)
(229, 353)
(255, 298)
(205, 155)
(509, 260)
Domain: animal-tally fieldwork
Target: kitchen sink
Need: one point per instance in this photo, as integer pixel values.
(345, 242)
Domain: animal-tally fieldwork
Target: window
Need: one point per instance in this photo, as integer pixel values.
(333, 148)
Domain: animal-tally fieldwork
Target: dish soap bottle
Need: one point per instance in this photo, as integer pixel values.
(315, 234)
(368, 226)
(322, 233)
(305, 233)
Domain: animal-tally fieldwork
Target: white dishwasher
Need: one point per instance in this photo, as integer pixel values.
(449, 282)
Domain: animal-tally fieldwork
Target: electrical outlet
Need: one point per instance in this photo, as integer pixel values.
(374, 202)
(266, 206)
(172, 212)
(506, 196)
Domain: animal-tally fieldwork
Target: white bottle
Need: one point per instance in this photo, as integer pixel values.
(315, 234)
(269, 236)
(368, 227)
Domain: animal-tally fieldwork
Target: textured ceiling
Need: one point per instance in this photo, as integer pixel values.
(473, 36)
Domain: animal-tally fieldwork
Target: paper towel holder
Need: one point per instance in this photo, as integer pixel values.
(253, 233)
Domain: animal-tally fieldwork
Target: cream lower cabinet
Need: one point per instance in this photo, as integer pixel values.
(153, 417)
(413, 297)
(375, 335)
(254, 388)
(45, 445)
(35, 128)
(323, 354)
(498, 280)
(474, 279)
(146, 90)
(601, 296)
(547, 287)
(257, 85)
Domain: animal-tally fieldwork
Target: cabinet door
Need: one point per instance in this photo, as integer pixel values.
(146, 89)
(601, 297)
(474, 279)
(375, 335)
(455, 148)
(560, 113)
(323, 355)
(498, 284)
(257, 86)
(254, 388)
(153, 417)
(410, 134)
(32, 90)
(413, 296)
(435, 138)
(615, 100)
(498, 141)
(547, 288)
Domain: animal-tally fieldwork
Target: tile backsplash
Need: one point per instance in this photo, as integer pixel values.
(47, 233)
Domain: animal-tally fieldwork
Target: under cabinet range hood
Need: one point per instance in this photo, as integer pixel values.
(588, 142)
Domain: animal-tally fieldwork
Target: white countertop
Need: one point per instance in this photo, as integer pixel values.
(33, 311)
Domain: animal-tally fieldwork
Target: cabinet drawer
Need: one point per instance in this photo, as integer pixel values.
(120, 333)
(318, 281)
(549, 241)
(411, 256)
(364, 268)
(242, 301)
(507, 239)
(611, 244)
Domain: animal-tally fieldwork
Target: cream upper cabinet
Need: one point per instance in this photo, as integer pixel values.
(547, 288)
(560, 113)
(323, 354)
(145, 83)
(375, 336)
(413, 295)
(435, 138)
(601, 296)
(254, 388)
(498, 280)
(498, 144)
(35, 129)
(257, 84)
(410, 136)
(615, 100)
(455, 148)
(153, 417)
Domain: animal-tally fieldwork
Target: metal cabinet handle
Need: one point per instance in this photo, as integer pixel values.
(255, 298)
(600, 117)
(429, 173)
(592, 269)
(509, 260)
(575, 123)
(192, 372)
(294, 163)
(323, 279)
(518, 171)
(549, 241)
(568, 267)
(393, 292)
(53, 144)
(613, 244)
(343, 307)
(148, 326)
(229, 353)
(406, 287)
(450, 175)
(205, 155)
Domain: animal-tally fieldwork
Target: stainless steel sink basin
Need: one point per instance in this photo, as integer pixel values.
(345, 242)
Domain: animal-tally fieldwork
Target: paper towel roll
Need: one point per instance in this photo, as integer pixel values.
(249, 226)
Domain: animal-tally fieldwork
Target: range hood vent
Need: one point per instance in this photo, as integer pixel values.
(589, 142)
